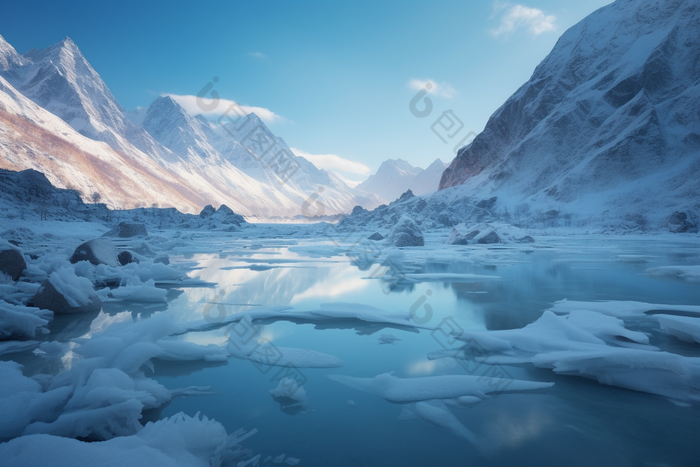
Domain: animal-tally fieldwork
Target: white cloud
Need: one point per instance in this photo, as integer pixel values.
(333, 162)
(257, 55)
(514, 17)
(189, 103)
(443, 89)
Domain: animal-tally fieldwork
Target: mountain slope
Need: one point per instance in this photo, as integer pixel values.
(33, 138)
(61, 80)
(608, 125)
(233, 162)
(189, 154)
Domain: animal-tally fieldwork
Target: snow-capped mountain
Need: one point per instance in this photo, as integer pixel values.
(428, 180)
(607, 127)
(203, 163)
(61, 80)
(395, 176)
(34, 138)
(233, 159)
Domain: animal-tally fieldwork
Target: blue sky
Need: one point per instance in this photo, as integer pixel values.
(334, 79)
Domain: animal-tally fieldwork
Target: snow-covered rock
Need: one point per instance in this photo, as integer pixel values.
(96, 251)
(680, 222)
(406, 233)
(64, 293)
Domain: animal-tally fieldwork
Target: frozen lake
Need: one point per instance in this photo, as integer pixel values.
(576, 422)
(480, 289)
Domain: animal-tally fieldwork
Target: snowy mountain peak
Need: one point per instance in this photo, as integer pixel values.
(63, 54)
(9, 58)
(391, 165)
(396, 176)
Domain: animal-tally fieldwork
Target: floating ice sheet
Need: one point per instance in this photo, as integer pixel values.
(686, 273)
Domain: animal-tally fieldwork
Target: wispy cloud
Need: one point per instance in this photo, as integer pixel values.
(334, 162)
(189, 103)
(514, 17)
(257, 55)
(436, 89)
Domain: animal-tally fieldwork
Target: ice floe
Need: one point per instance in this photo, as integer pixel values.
(685, 328)
(589, 344)
(404, 390)
(177, 441)
(17, 321)
(620, 308)
(686, 273)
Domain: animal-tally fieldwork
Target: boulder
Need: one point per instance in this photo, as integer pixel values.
(489, 238)
(406, 233)
(446, 220)
(457, 239)
(376, 236)
(472, 234)
(680, 222)
(127, 230)
(526, 239)
(125, 257)
(97, 251)
(12, 262)
(65, 293)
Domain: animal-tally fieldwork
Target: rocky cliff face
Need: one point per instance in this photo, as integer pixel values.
(608, 121)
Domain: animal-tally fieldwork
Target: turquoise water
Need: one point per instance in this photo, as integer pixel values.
(576, 422)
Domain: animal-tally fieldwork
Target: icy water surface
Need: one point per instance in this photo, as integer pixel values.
(576, 422)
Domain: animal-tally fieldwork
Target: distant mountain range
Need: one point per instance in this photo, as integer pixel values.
(395, 176)
(607, 128)
(57, 116)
